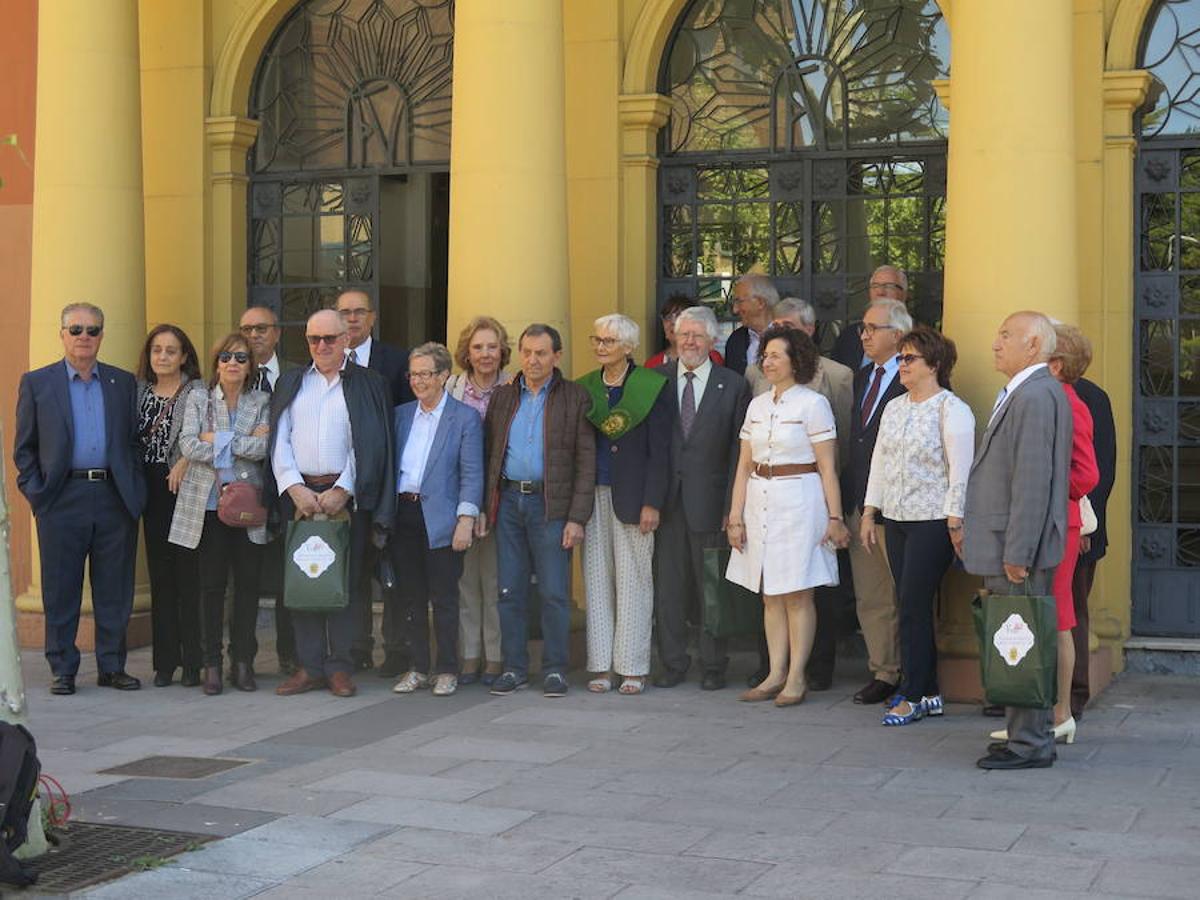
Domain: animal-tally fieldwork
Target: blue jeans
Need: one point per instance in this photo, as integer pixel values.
(526, 543)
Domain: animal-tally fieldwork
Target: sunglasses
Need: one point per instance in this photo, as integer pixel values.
(328, 339)
(238, 356)
(77, 330)
(907, 359)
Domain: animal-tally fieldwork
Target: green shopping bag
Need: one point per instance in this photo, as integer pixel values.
(316, 564)
(1018, 648)
(729, 609)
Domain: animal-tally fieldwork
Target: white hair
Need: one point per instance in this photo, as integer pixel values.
(762, 287)
(623, 328)
(701, 314)
(794, 306)
(1042, 328)
(900, 276)
(898, 316)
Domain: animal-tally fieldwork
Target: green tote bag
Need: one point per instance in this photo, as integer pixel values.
(729, 609)
(316, 565)
(1018, 648)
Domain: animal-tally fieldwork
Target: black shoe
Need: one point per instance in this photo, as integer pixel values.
(361, 661)
(122, 681)
(996, 746)
(819, 682)
(875, 692)
(164, 679)
(63, 685)
(393, 664)
(757, 677)
(712, 680)
(190, 677)
(993, 711)
(243, 677)
(668, 678)
(1006, 759)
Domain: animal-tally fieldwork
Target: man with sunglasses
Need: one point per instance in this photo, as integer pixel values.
(78, 464)
(331, 448)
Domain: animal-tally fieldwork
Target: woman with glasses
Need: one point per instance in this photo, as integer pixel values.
(224, 439)
(629, 408)
(482, 353)
(675, 304)
(917, 487)
(168, 371)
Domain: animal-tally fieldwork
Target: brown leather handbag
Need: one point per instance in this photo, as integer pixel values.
(240, 505)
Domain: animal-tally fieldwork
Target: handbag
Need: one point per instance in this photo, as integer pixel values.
(1018, 648)
(1088, 516)
(728, 609)
(316, 564)
(239, 505)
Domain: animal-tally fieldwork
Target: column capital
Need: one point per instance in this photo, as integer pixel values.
(641, 115)
(941, 87)
(229, 140)
(1126, 90)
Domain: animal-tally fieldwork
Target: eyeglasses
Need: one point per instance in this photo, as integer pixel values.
(77, 330)
(422, 376)
(241, 357)
(887, 285)
(871, 329)
(354, 313)
(260, 330)
(328, 339)
(606, 342)
(907, 359)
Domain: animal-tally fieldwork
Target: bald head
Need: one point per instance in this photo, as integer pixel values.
(1025, 339)
(327, 341)
(888, 283)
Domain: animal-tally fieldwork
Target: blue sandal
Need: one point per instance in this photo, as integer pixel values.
(933, 706)
(916, 712)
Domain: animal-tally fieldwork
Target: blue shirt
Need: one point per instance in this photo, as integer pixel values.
(414, 455)
(523, 457)
(603, 444)
(90, 450)
(891, 370)
(223, 463)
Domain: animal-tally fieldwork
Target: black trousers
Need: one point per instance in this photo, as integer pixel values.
(1081, 588)
(271, 584)
(174, 580)
(678, 588)
(919, 554)
(221, 549)
(364, 641)
(425, 578)
(87, 523)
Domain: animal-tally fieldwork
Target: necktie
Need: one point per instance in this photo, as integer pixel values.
(687, 409)
(353, 357)
(264, 381)
(872, 396)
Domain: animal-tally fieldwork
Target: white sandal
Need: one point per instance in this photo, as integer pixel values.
(600, 685)
(632, 684)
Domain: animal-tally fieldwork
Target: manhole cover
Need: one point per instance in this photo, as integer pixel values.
(89, 853)
(175, 767)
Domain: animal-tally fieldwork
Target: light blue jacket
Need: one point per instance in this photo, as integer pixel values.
(454, 471)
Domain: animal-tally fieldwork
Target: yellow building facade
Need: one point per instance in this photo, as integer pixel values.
(539, 151)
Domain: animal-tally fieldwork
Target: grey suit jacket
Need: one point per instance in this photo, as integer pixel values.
(1016, 510)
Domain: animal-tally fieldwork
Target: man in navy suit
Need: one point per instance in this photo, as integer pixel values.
(78, 464)
(754, 299)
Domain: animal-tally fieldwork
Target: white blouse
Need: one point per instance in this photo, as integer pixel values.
(922, 458)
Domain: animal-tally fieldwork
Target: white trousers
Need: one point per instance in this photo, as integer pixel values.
(618, 577)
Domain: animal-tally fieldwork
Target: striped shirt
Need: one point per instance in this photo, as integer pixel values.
(314, 435)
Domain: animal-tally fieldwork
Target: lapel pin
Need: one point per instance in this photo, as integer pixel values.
(720, 386)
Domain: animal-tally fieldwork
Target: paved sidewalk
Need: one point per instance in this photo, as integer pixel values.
(677, 793)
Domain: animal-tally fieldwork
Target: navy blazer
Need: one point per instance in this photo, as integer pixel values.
(46, 435)
(639, 460)
(454, 470)
(862, 437)
(1104, 440)
(392, 364)
(737, 348)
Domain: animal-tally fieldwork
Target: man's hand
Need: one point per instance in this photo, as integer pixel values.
(175, 476)
(649, 520)
(1085, 543)
(1015, 574)
(481, 525)
(954, 526)
(572, 535)
(379, 537)
(462, 533)
(333, 501)
(305, 501)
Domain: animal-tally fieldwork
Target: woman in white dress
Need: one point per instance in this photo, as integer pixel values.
(785, 518)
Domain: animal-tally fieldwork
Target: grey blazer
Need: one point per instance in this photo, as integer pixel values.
(1016, 509)
(186, 387)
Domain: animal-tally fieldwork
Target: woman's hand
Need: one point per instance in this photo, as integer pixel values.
(838, 534)
(261, 431)
(175, 476)
(206, 437)
(954, 526)
(866, 530)
(649, 520)
(735, 532)
(462, 533)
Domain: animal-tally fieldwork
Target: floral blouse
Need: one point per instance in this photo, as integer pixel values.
(154, 427)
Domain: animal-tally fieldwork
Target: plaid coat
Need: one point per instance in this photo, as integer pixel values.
(206, 411)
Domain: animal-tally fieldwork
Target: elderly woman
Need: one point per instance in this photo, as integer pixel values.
(482, 353)
(629, 407)
(675, 304)
(918, 485)
(1071, 357)
(439, 485)
(168, 371)
(785, 518)
(224, 439)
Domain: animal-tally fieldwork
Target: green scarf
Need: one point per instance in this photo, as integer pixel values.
(642, 387)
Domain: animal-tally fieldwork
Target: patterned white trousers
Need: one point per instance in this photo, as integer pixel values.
(618, 577)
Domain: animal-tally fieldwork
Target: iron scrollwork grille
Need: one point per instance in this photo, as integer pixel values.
(1166, 547)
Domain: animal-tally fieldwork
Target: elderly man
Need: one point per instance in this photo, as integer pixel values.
(260, 327)
(887, 283)
(708, 405)
(754, 296)
(884, 323)
(835, 383)
(79, 466)
(1015, 520)
(331, 445)
(540, 487)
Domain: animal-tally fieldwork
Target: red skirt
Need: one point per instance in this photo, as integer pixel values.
(1064, 600)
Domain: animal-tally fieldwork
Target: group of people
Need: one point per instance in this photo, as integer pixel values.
(474, 487)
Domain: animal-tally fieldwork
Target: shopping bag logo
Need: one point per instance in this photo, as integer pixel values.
(1013, 639)
(313, 557)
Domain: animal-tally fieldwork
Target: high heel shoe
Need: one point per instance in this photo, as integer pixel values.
(1064, 733)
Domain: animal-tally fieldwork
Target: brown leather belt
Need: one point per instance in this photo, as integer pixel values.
(766, 470)
(409, 497)
(320, 480)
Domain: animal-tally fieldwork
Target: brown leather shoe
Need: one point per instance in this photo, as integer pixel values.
(243, 677)
(300, 683)
(340, 685)
(212, 680)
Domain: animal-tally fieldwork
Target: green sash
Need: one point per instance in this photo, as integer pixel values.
(642, 387)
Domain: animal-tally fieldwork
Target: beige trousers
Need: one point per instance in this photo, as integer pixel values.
(478, 616)
(875, 596)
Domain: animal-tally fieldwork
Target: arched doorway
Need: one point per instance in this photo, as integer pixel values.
(1166, 524)
(353, 101)
(805, 139)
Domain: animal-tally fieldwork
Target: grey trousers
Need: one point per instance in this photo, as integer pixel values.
(1030, 731)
